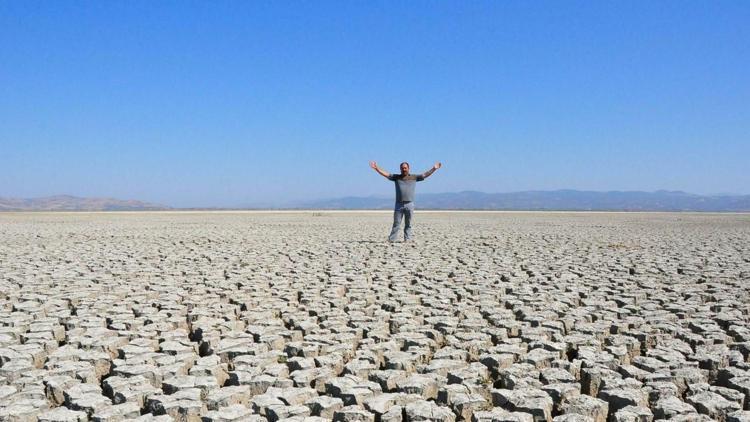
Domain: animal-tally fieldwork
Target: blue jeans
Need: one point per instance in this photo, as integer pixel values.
(402, 210)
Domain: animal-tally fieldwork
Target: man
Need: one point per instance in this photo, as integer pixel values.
(405, 184)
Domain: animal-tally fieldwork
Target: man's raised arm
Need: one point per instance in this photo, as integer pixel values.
(380, 171)
(429, 172)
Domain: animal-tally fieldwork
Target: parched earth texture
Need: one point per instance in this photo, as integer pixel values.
(313, 316)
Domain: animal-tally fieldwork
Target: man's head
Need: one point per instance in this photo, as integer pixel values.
(404, 168)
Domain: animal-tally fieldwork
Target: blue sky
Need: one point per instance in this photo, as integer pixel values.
(240, 103)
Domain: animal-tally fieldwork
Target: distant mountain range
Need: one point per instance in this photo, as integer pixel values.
(564, 200)
(73, 203)
(573, 200)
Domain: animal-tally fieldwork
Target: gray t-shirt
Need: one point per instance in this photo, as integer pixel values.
(405, 186)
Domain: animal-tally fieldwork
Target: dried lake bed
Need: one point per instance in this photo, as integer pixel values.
(485, 316)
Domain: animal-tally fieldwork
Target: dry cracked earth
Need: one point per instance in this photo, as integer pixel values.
(313, 316)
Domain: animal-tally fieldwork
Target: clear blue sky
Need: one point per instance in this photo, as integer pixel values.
(238, 103)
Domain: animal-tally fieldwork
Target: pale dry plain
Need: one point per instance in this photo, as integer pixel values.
(313, 316)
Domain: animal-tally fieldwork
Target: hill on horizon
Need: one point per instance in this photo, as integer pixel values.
(566, 200)
(74, 203)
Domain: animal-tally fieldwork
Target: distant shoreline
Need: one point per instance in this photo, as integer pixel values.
(367, 211)
(470, 201)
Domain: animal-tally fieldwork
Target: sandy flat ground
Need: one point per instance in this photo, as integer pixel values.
(311, 314)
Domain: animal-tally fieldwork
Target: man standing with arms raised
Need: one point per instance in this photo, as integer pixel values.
(405, 185)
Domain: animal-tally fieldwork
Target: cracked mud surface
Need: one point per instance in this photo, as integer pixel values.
(314, 316)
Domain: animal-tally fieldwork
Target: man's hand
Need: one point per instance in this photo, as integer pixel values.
(429, 172)
(380, 171)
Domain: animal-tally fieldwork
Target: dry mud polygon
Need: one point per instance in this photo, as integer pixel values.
(314, 316)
